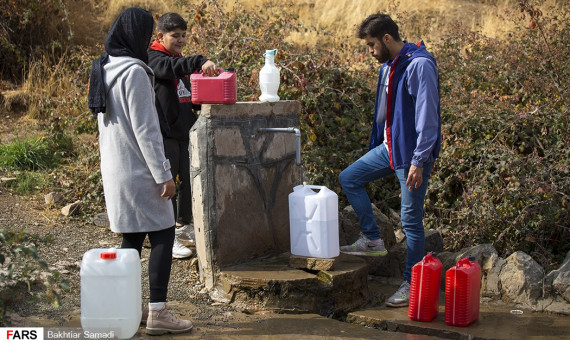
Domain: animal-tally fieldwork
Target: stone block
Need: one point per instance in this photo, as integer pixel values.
(311, 263)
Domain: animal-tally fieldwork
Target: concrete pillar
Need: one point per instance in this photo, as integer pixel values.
(241, 179)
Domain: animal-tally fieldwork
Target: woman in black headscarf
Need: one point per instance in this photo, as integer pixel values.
(137, 181)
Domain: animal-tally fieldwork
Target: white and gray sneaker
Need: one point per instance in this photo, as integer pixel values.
(401, 298)
(365, 246)
(180, 251)
(186, 233)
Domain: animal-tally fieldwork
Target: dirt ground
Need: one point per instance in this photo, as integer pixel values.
(186, 296)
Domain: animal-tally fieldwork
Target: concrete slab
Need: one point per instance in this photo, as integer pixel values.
(235, 325)
(495, 322)
(271, 284)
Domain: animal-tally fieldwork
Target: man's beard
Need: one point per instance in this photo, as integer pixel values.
(384, 54)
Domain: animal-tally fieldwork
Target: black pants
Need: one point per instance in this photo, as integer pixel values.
(160, 260)
(179, 156)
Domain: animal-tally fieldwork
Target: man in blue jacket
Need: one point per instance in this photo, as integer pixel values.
(405, 140)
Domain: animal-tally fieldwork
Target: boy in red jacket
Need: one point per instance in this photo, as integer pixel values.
(175, 113)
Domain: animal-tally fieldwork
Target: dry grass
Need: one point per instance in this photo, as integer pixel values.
(419, 19)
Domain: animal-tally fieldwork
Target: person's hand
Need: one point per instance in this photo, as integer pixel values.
(209, 68)
(414, 177)
(168, 189)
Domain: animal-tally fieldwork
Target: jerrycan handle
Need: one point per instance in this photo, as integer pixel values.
(319, 187)
(219, 72)
(322, 189)
(464, 262)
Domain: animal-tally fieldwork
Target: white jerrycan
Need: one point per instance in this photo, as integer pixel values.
(111, 292)
(269, 78)
(313, 219)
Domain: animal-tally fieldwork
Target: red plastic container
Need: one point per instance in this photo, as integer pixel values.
(221, 89)
(462, 293)
(424, 289)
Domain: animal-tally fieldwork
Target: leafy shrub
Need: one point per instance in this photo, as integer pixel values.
(30, 28)
(21, 265)
(503, 174)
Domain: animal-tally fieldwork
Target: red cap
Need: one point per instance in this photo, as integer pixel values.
(109, 256)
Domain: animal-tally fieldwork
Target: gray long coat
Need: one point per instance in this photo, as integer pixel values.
(133, 165)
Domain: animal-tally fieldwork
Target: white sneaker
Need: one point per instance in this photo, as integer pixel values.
(365, 246)
(179, 251)
(402, 297)
(185, 233)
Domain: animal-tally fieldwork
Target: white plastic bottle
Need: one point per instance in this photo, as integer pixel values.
(313, 221)
(111, 292)
(269, 78)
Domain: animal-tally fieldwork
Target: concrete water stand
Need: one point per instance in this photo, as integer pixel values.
(271, 284)
(243, 167)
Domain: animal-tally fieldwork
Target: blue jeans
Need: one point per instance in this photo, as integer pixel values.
(374, 165)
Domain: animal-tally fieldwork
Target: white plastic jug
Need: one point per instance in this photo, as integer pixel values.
(313, 219)
(269, 78)
(111, 292)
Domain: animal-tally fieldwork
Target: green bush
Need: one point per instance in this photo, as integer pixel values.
(21, 267)
(503, 175)
(30, 28)
(29, 154)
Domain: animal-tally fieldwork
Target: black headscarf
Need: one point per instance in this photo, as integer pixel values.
(128, 36)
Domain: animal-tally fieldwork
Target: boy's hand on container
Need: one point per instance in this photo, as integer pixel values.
(168, 189)
(209, 68)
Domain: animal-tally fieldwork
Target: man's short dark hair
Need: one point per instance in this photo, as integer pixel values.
(376, 25)
(170, 21)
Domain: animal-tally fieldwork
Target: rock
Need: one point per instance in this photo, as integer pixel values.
(481, 254)
(553, 276)
(101, 220)
(391, 265)
(53, 198)
(490, 280)
(194, 265)
(561, 285)
(433, 241)
(400, 236)
(521, 279)
(350, 227)
(71, 209)
(395, 216)
(394, 264)
(8, 181)
(311, 263)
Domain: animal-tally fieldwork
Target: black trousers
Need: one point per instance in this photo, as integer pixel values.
(160, 260)
(179, 156)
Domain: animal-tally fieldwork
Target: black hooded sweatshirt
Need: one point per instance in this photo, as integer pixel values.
(172, 90)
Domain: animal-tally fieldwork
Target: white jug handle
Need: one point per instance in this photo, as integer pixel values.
(319, 187)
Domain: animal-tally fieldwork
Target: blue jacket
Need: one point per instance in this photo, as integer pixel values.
(413, 109)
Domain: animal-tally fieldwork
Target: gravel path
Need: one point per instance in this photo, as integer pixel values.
(72, 237)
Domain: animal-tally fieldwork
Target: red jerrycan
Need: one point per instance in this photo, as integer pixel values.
(221, 89)
(424, 289)
(462, 292)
